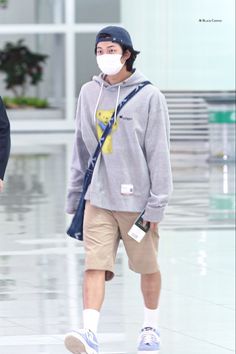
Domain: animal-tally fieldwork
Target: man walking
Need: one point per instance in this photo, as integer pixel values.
(4, 142)
(132, 175)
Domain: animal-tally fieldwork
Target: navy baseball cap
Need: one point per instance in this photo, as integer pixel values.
(115, 34)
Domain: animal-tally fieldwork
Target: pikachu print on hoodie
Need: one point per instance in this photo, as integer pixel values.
(103, 117)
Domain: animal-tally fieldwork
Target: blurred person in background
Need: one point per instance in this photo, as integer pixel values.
(132, 174)
(5, 142)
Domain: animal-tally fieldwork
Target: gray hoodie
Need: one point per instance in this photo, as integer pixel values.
(133, 172)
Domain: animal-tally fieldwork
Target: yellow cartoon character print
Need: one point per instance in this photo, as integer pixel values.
(103, 118)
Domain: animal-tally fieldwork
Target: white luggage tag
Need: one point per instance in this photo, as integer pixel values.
(138, 230)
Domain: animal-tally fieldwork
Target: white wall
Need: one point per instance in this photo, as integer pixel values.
(38, 11)
(178, 51)
(32, 11)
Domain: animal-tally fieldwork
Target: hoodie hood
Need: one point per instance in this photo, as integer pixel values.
(135, 79)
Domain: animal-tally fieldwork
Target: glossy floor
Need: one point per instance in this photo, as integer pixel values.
(41, 269)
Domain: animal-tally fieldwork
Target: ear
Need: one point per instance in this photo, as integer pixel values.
(126, 55)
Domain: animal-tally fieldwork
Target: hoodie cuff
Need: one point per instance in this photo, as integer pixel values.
(72, 202)
(153, 214)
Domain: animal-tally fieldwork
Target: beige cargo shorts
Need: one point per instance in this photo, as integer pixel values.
(103, 230)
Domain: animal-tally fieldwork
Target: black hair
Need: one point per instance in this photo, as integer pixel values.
(130, 62)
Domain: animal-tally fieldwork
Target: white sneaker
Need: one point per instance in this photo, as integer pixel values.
(82, 342)
(149, 341)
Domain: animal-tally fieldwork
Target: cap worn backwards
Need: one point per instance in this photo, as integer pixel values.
(115, 34)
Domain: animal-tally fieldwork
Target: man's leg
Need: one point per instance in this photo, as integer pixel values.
(85, 340)
(93, 297)
(101, 239)
(150, 336)
(151, 289)
(94, 289)
(143, 260)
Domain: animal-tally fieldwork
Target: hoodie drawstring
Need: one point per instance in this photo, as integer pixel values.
(98, 100)
(117, 102)
(96, 107)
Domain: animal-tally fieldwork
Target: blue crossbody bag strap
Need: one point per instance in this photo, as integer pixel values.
(76, 228)
(112, 120)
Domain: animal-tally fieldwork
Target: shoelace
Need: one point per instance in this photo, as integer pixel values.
(149, 338)
(91, 336)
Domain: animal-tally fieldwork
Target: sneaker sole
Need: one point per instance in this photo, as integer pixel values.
(77, 345)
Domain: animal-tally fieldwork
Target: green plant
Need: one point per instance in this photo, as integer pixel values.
(15, 102)
(21, 66)
(3, 3)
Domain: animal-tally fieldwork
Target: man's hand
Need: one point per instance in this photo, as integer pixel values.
(153, 225)
(1, 185)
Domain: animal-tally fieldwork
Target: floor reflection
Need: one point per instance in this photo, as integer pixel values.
(41, 269)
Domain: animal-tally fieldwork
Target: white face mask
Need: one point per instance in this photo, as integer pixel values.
(110, 64)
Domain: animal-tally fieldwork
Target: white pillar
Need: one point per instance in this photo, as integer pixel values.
(58, 52)
(70, 61)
